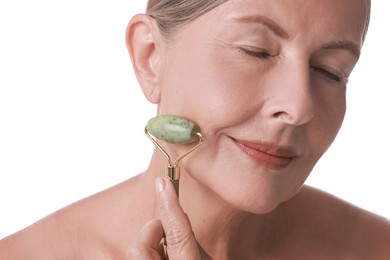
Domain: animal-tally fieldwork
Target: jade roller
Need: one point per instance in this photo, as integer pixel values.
(175, 130)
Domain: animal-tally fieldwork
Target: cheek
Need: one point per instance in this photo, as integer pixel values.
(332, 114)
(318, 135)
(322, 131)
(207, 89)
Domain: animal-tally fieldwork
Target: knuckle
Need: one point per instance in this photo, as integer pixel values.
(178, 238)
(163, 205)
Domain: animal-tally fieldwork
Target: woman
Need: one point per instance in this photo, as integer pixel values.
(265, 81)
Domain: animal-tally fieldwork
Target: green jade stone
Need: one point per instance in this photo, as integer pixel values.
(173, 129)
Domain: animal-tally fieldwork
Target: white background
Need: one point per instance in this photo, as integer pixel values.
(72, 113)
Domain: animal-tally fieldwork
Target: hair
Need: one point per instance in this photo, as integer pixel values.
(171, 14)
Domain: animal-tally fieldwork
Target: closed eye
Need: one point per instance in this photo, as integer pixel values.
(257, 54)
(330, 75)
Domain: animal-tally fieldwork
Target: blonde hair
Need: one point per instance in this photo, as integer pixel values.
(171, 14)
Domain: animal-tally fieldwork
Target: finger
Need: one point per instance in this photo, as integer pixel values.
(180, 239)
(147, 243)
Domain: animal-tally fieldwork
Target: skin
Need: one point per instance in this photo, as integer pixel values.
(241, 79)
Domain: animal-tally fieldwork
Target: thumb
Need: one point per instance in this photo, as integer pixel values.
(180, 238)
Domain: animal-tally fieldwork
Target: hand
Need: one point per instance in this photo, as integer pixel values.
(179, 236)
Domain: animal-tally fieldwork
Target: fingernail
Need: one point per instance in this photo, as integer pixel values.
(160, 184)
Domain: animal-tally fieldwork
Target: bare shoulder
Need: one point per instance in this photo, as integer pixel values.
(99, 224)
(338, 227)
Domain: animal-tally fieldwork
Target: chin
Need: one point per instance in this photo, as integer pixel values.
(260, 209)
(257, 201)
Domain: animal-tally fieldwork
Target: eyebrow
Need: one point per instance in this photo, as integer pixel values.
(274, 27)
(279, 31)
(347, 45)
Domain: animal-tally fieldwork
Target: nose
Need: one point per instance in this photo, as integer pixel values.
(291, 97)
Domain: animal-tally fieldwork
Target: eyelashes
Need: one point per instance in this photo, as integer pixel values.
(257, 54)
(328, 74)
(324, 72)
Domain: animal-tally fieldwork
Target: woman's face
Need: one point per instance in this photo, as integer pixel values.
(265, 81)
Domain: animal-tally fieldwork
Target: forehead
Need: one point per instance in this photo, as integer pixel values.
(335, 18)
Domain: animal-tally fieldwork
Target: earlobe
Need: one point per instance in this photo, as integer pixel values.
(143, 46)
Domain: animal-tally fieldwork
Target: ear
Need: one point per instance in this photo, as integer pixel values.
(144, 43)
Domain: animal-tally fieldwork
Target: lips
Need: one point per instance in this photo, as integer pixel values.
(267, 154)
